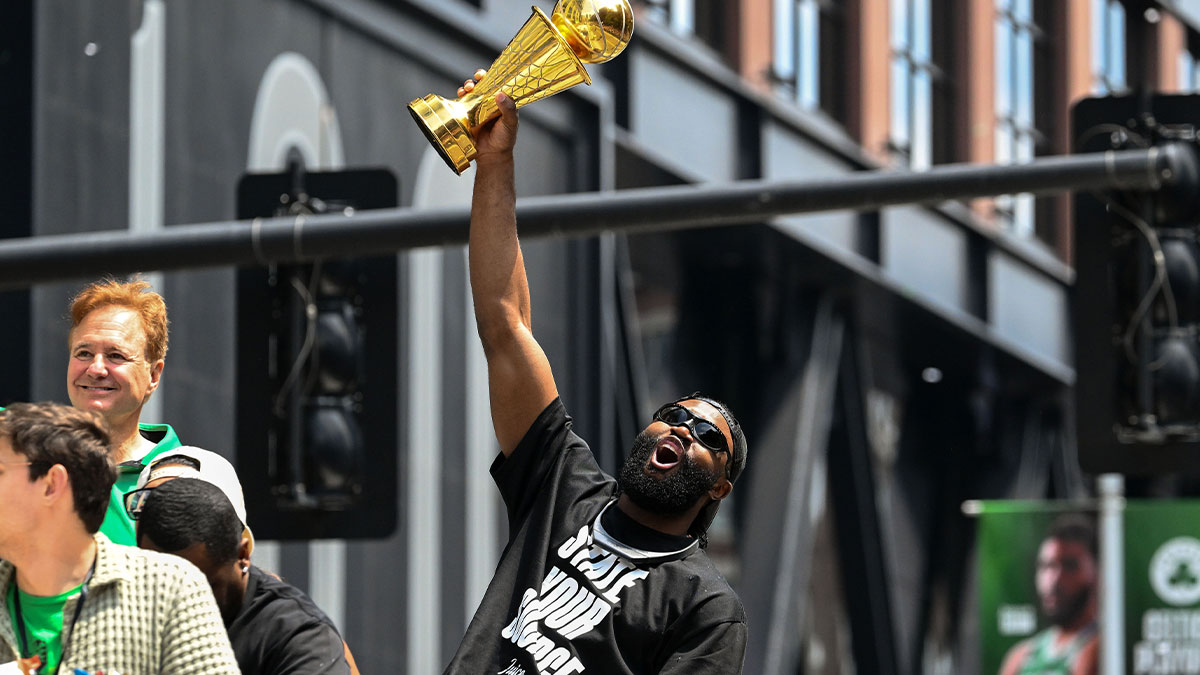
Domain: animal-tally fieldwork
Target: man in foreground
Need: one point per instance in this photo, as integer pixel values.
(190, 503)
(599, 575)
(1067, 579)
(118, 345)
(72, 598)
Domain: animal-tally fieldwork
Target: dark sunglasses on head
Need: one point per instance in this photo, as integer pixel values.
(702, 430)
(135, 501)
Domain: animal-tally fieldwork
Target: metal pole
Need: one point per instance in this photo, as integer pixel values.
(1112, 574)
(24, 262)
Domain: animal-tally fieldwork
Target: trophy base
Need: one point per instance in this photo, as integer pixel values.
(444, 124)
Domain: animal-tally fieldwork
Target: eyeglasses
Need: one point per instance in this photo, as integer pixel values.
(136, 501)
(702, 430)
(30, 463)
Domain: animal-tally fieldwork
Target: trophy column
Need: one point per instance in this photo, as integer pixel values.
(545, 57)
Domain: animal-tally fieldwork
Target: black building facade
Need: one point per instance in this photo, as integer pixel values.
(885, 365)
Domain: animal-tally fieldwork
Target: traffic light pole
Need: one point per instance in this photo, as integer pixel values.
(1112, 572)
(25, 262)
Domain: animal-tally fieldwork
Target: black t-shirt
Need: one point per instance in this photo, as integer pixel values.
(568, 597)
(279, 630)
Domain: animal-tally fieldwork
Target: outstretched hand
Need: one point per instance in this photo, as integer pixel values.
(499, 135)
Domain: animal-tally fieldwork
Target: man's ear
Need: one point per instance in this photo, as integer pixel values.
(244, 549)
(720, 490)
(56, 483)
(156, 370)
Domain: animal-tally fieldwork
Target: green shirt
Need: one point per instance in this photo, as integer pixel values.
(1046, 659)
(117, 525)
(42, 620)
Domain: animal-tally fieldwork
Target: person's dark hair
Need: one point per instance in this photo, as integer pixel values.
(1075, 527)
(184, 511)
(47, 434)
(737, 463)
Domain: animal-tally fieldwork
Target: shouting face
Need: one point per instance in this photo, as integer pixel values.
(678, 459)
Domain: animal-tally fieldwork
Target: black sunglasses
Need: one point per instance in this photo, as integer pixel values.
(136, 501)
(702, 430)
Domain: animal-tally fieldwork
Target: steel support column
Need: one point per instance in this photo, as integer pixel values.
(860, 532)
(777, 560)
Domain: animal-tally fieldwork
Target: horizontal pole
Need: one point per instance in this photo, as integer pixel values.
(33, 260)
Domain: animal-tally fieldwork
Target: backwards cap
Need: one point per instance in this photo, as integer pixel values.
(191, 462)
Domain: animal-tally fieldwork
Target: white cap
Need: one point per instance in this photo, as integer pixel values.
(193, 462)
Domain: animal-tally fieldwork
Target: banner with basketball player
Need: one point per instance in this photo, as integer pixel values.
(1039, 577)
(1039, 587)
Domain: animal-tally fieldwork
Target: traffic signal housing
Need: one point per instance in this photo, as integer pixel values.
(1136, 305)
(316, 370)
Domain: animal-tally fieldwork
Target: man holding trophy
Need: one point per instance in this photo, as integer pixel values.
(600, 575)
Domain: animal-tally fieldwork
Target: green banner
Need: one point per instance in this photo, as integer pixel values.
(1017, 628)
(1027, 546)
(1162, 587)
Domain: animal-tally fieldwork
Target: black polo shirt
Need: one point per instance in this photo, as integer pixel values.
(280, 630)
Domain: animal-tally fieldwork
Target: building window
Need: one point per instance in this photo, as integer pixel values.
(1108, 46)
(808, 49)
(706, 20)
(913, 79)
(678, 15)
(1020, 44)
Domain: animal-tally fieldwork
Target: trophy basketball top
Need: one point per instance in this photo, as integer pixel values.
(597, 30)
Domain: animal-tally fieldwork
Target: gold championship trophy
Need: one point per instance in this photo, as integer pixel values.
(544, 58)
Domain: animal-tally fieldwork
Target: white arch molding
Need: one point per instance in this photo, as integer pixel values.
(436, 186)
(292, 111)
(147, 122)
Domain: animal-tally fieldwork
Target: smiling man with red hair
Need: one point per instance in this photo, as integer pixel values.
(117, 350)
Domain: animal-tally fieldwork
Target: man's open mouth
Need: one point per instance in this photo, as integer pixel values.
(667, 453)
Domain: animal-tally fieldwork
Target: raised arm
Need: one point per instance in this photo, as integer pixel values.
(519, 378)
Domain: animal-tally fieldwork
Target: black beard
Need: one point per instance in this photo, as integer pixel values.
(1071, 608)
(670, 496)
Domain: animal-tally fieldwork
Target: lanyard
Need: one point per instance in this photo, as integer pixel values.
(83, 591)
